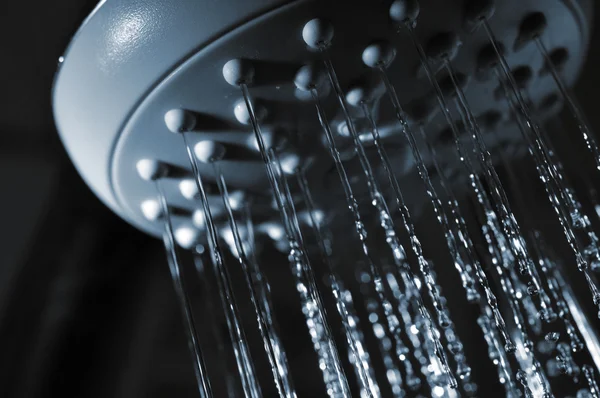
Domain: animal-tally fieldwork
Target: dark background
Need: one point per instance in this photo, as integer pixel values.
(86, 304)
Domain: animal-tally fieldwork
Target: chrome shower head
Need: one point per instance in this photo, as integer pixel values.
(172, 111)
(134, 68)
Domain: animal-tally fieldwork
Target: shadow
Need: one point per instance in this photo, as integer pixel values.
(421, 109)
(211, 123)
(446, 136)
(523, 75)
(487, 60)
(447, 84)
(240, 153)
(179, 211)
(558, 58)
(177, 172)
(268, 73)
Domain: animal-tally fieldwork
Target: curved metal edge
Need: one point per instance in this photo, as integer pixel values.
(96, 9)
(88, 144)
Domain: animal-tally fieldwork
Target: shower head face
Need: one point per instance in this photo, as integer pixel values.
(143, 79)
(137, 70)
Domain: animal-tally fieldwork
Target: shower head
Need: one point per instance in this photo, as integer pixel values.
(206, 122)
(137, 70)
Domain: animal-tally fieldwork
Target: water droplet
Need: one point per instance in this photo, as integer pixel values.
(464, 373)
(510, 347)
(552, 336)
(532, 290)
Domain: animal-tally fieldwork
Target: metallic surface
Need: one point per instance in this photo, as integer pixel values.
(133, 61)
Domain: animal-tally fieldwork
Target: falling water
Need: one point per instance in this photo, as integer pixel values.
(503, 259)
(594, 198)
(509, 224)
(455, 346)
(392, 240)
(540, 375)
(469, 247)
(498, 259)
(522, 378)
(566, 363)
(257, 275)
(590, 190)
(323, 342)
(215, 327)
(529, 309)
(412, 324)
(417, 332)
(363, 355)
(381, 207)
(204, 388)
(519, 197)
(561, 197)
(430, 366)
(517, 300)
(588, 371)
(514, 303)
(546, 312)
(580, 220)
(534, 241)
(558, 186)
(570, 100)
(414, 328)
(412, 382)
(464, 268)
(442, 218)
(393, 375)
(316, 322)
(361, 361)
(269, 335)
(546, 168)
(232, 315)
(263, 292)
(524, 205)
(592, 345)
(388, 225)
(555, 291)
(498, 356)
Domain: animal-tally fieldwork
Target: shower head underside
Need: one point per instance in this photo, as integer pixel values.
(134, 66)
(189, 117)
